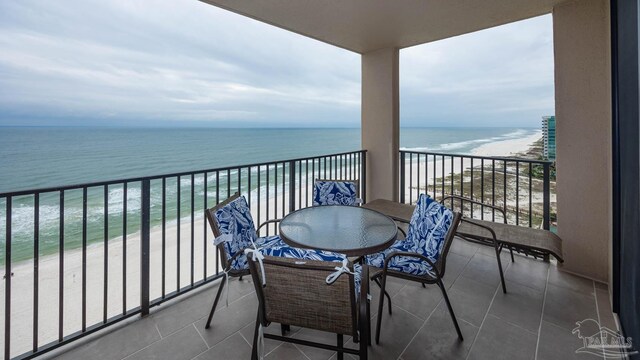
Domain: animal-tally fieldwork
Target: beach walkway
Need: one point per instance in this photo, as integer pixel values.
(534, 320)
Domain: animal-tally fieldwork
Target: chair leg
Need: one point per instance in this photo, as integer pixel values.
(380, 306)
(453, 316)
(504, 287)
(424, 286)
(368, 321)
(511, 251)
(377, 281)
(284, 329)
(254, 349)
(215, 303)
(340, 345)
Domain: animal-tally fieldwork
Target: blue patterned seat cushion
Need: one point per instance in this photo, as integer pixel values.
(428, 229)
(334, 193)
(235, 219)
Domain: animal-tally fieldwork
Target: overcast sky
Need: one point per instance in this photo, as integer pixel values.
(169, 62)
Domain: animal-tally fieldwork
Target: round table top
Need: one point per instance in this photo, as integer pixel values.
(349, 230)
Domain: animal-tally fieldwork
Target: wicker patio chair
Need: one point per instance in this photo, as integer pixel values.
(234, 229)
(336, 192)
(421, 256)
(296, 292)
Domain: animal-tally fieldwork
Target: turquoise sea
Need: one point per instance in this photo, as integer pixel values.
(40, 157)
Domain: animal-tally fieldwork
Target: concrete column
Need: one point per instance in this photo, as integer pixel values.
(582, 50)
(380, 122)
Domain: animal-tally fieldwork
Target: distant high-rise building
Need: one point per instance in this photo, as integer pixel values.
(549, 137)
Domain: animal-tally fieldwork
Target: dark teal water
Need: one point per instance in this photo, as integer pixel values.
(32, 158)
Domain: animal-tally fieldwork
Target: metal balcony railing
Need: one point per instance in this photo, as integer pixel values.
(522, 187)
(105, 229)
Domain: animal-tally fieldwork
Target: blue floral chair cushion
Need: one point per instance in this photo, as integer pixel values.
(234, 220)
(334, 192)
(428, 229)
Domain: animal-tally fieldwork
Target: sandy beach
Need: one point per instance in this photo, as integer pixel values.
(23, 279)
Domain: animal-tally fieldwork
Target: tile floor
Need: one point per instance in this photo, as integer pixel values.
(534, 320)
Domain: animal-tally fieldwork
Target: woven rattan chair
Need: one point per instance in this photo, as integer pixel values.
(336, 192)
(421, 256)
(296, 292)
(232, 218)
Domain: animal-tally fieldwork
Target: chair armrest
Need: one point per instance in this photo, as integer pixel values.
(464, 198)
(268, 222)
(409, 254)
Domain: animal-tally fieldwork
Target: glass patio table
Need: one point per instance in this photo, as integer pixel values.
(349, 230)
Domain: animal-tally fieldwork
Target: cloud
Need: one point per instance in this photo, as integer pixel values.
(496, 77)
(71, 62)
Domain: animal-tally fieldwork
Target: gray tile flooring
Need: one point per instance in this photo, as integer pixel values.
(533, 320)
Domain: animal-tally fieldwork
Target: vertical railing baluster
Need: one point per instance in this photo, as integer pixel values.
(482, 188)
(124, 248)
(249, 191)
(60, 269)
(493, 189)
(306, 183)
(7, 280)
(36, 264)
(105, 261)
(546, 196)
(205, 205)
(418, 175)
(504, 189)
(451, 175)
(517, 193)
(471, 194)
(178, 206)
(300, 184)
(442, 177)
(193, 211)
(267, 196)
(403, 184)
(462, 184)
(145, 240)
(84, 259)
(411, 178)
(434, 177)
(275, 226)
(292, 186)
(228, 183)
(530, 198)
(275, 192)
(164, 235)
(217, 202)
(259, 190)
(363, 176)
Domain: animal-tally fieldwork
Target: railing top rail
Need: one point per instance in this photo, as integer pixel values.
(498, 158)
(155, 177)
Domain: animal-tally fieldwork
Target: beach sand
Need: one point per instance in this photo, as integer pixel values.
(48, 304)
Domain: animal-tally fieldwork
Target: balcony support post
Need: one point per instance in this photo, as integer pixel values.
(381, 122)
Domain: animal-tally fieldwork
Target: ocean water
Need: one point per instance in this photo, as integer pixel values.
(40, 157)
